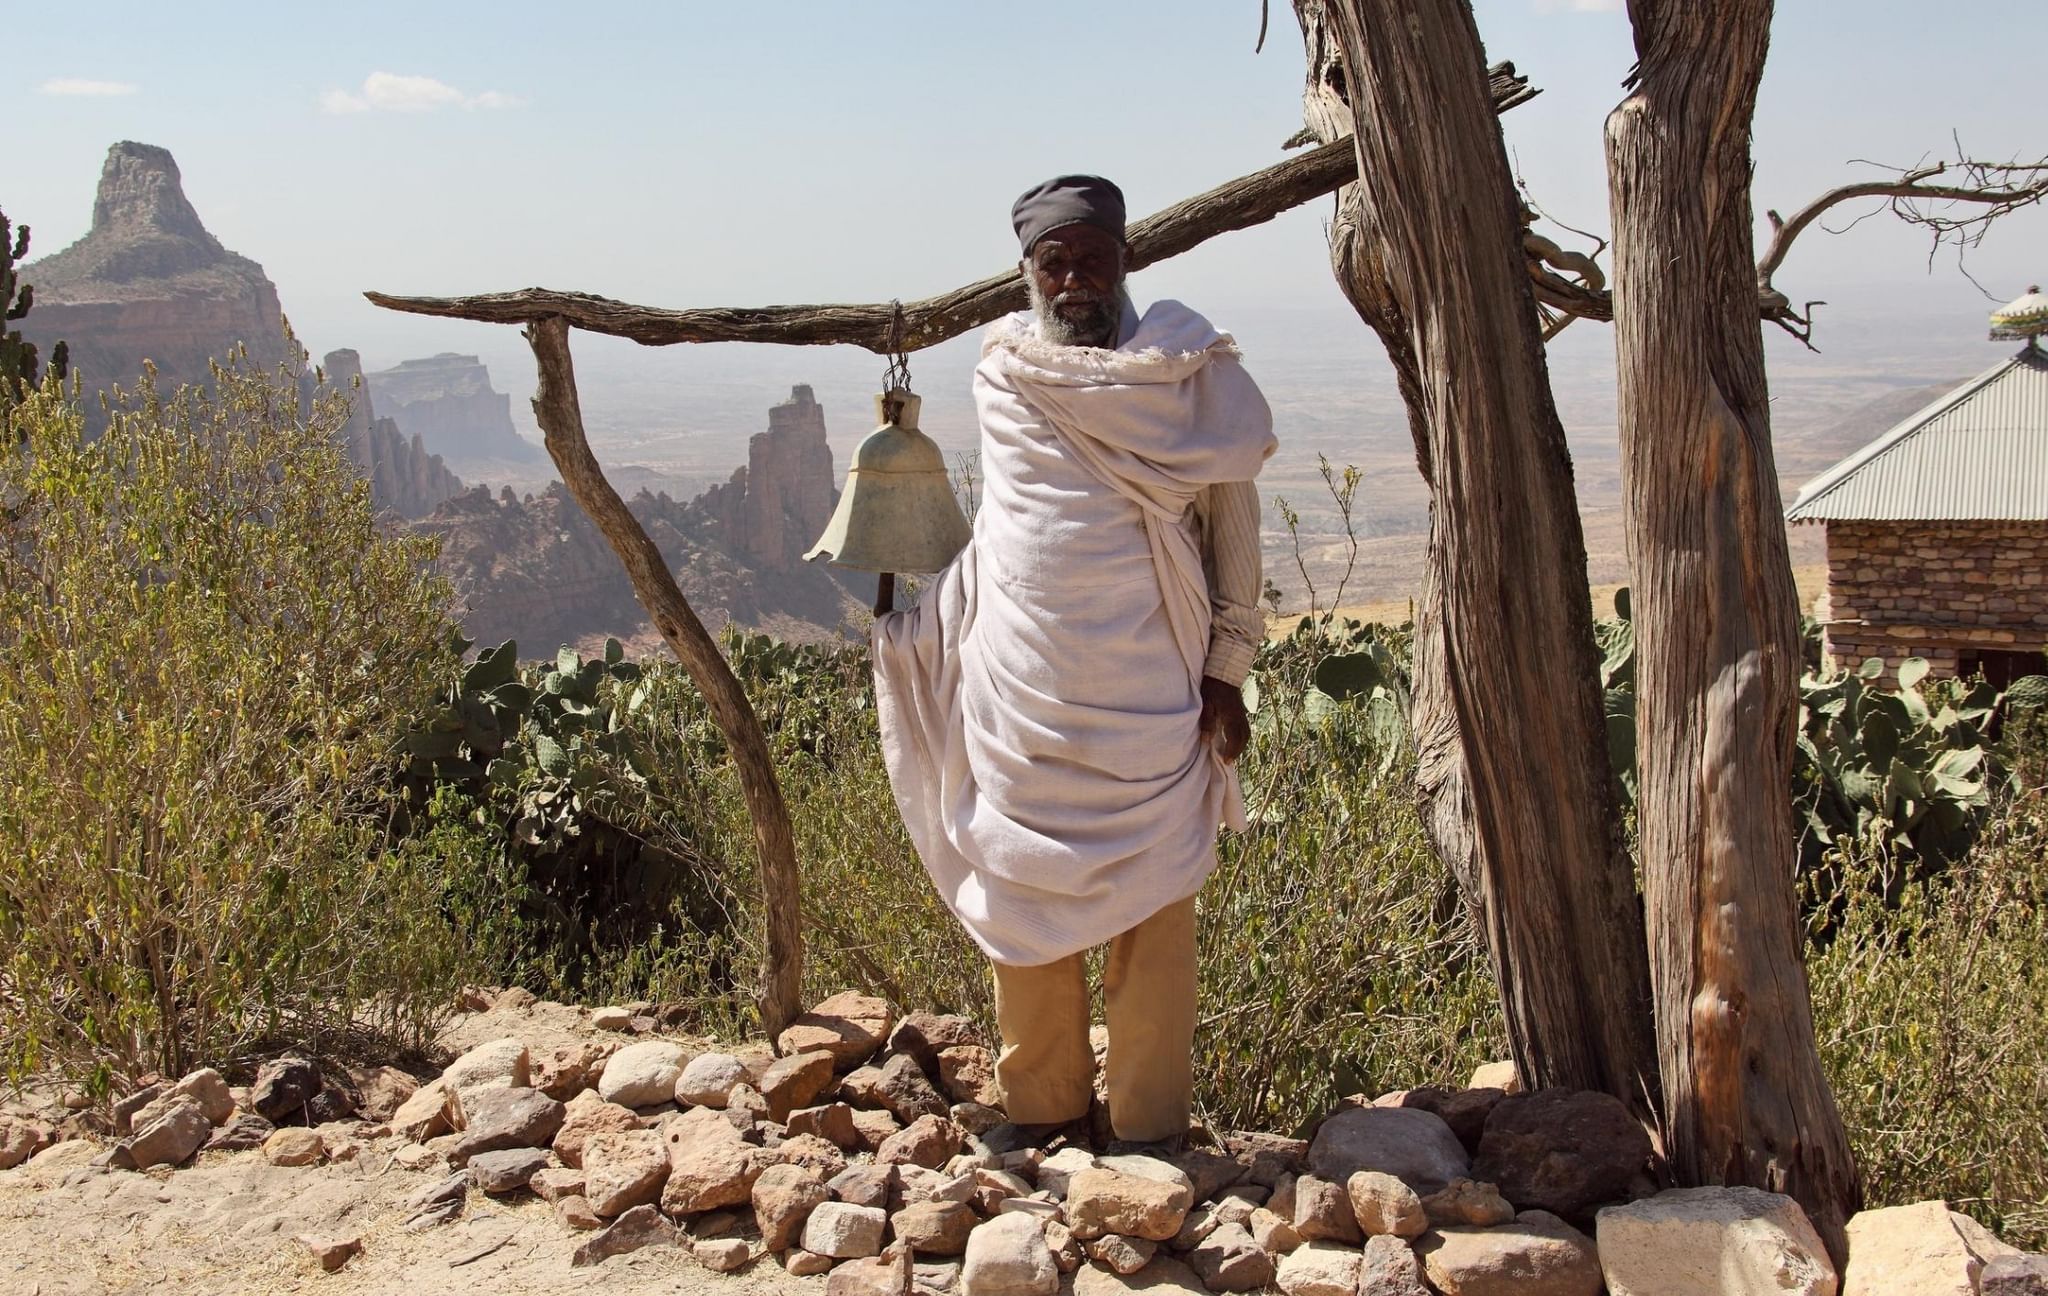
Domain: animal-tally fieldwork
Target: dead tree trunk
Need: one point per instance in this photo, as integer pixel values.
(561, 422)
(1505, 648)
(1717, 652)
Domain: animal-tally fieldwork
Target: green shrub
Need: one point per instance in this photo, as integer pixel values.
(207, 653)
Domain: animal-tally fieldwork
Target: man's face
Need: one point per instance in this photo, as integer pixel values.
(1075, 273)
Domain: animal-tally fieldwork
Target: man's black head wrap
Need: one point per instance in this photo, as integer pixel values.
(1068, 200)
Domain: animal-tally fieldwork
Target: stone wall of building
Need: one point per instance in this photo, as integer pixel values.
(1946, 591)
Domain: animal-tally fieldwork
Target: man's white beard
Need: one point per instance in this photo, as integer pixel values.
(1097, 330)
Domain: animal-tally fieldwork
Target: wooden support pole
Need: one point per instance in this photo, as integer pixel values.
(561, 421)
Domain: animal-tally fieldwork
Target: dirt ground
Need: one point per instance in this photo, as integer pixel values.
(228, 1222)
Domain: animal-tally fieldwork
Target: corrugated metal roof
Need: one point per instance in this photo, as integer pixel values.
(1979, 453)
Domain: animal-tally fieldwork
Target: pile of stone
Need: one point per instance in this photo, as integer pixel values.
(874, 1151)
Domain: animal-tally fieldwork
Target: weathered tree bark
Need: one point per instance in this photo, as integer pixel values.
(1506, 645)
(1717, 651)
(561, 422)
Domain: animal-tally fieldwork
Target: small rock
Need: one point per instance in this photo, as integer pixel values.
(330, 1253)
(1920, 1248)
(806, 1264)
(643, 1074)
(722, 1255)
(1281, 1200)
(1390, 1267)
(1228, 1260)
(809, 1151)
(622, 1169)
(709, 1166)
(1067, 1254)
(1111, 1201)
(1008, 1256)
(204, 1087)
(1124, 1255)
(125, 1109)
(849, 1026)
(1200, 1223)
(610, 1018)
(283, 1087)
(515, 999)
(556, 1182)
(863, 1185)
(577, 1214)
(384, 1090)
(1537, 1255)
(873, 1127)
(1059, 1169)
(977, 1118)
(793, 1082)
(886, 1275)
(1266, 1156)
(1039, 1206)
(497, 1119)
(1464, 1110)
(438, 1202)
(708, 1078)
(1413, 1146)
(745, 1107)
(906, 1092)
(1209, 1172)
(336, 1101)
(640, 1227)
(927, 1141)
(294, 1146)
(571, 1069)
(923, 1035)
(967, 1073)
(1275, 1236)
(716, 1224)
(424, 1115)
(243, 1131)
(784, 1197)
(934, 1228)
(2015, 1275)
(832, 1122)
(843, 1231)
(1496, 1075)
(583, 1118)
(1565, 1151)
(21, 1138)
(1322, 1212)
(506, 1171)
(1319, 1269)
(498, 1064)
(1383, 1204)
(1463, 1201)
(417, 1156)
(171, 1138)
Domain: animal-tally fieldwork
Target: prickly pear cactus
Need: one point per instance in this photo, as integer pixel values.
(18, 360)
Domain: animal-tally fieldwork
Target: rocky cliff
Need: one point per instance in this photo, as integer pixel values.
(447, 401)
(405, 478)
(149, 282)
(775, 507)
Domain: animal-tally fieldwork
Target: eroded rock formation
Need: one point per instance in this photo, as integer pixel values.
(448, 402)
(775, 507)
(405, 478)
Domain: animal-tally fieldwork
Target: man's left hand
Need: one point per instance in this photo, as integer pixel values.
(1224, 721)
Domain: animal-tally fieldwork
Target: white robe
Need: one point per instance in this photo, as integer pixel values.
(1039, 707)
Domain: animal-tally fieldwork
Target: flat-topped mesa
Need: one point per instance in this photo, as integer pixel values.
(447, 400)
(148, 282)
(406, 478)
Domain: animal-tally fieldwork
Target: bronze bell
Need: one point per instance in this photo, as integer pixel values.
(897, 512)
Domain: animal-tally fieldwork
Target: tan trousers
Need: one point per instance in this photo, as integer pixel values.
(1046, 1070)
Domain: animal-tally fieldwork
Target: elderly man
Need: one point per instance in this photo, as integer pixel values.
(1061, 713)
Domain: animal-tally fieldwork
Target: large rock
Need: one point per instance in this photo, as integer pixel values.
(384, 1090)
(795, 1081)
(1389, 1267)
(583, 1118)
(1323, 1213)
(928, 1141)
(1230, 1261)
(1319, 1269)
(1008, 1256)
(204, 1086)
(570, 1069)
(423, 1115)
(1537, 1255)
(1383, 1204)
(1924, 1249)
(21, 1138)
(282, 1088)
(1462, 1201)
(498, 1119)
(709, 1078)
(1163, 1277)
(1122, 1255)
(507, 1170)
(924, 1035)
(1464, 1110)
(2014, 1275)
(643, 1074)
(623, 1169)
(906, 1091)
(849, 1026)
(784, 1197)
(709, 1165)
(446, 400)
(294, 1145)
(1411, 1145)
(498, 1064)
(1561, 1150)
(934, 1227)
(863, 1185)
(1704, 1241)
(832, 1122)
(843, 1231)
(1111, 1201)
(640, 1227)
(243, 1131)
(170, 1139)
(967, 1072)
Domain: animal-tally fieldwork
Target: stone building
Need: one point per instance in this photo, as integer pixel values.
(1937, 531)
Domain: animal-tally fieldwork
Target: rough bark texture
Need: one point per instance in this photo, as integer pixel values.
(561, 421)
(1506, 643)
(1717, 660)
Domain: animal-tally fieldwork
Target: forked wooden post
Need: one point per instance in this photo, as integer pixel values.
(561, 422)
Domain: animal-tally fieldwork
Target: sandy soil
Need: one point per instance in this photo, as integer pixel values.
(228, 1223)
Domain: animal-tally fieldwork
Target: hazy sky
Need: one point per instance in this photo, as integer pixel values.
(736, 154)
